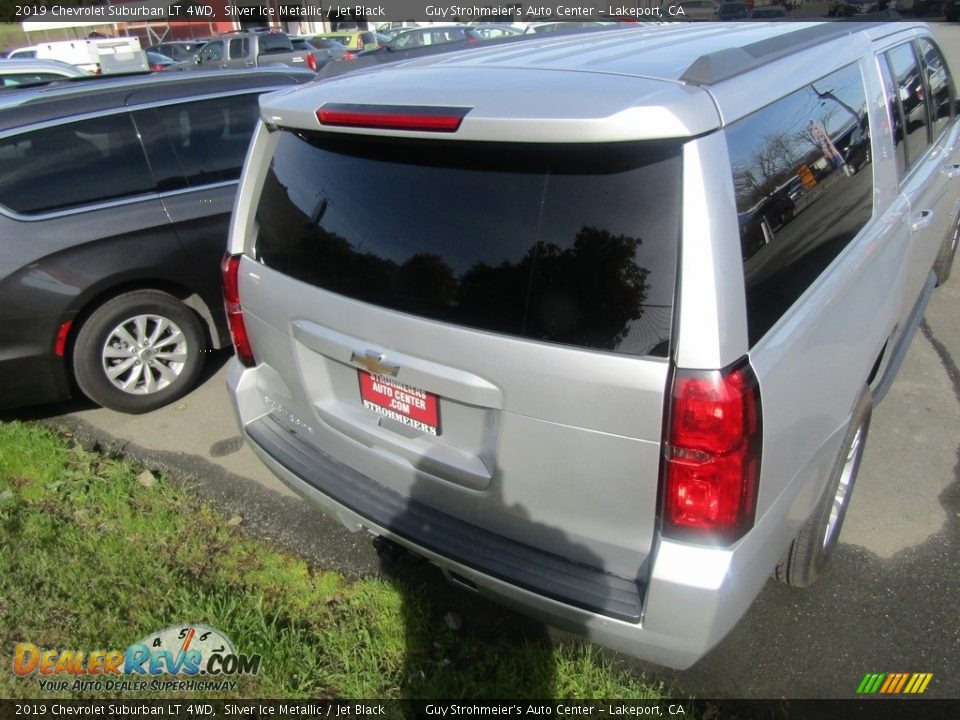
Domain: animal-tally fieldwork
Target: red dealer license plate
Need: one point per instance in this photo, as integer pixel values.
(409, 405)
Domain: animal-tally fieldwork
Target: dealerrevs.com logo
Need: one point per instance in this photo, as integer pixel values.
(187, 657)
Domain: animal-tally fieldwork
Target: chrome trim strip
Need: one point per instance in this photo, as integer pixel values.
(6, 212)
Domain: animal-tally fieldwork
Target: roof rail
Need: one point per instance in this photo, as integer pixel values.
(722, 65)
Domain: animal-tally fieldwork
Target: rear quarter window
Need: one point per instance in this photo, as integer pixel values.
(803, 179)
(567, 244)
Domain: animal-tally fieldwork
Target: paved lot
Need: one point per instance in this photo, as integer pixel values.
(887, 604)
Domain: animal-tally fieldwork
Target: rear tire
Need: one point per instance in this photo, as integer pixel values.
(944, 263)
(809, 552)
(139, 351)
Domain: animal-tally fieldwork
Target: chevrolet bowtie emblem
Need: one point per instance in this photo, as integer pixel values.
(373, 361)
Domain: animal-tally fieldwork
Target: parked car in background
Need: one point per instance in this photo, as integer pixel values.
(179, 49)
(26, 72)
(430, 35)
(115, 199)
(851, 8)
(768, 12)
(158, 61)
(24, 53)
(325, 49)
(549, 362)
(919, 8)
(245, 49)
(733, 11)
(390, 27)
(355, 40)
(542, 28)
(492, 31)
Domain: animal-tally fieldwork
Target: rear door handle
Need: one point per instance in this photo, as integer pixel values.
(922, 219)
(952, 171)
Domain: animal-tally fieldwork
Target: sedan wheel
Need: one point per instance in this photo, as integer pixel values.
(139, 351)
(144, 354)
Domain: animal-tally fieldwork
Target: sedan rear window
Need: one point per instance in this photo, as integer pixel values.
(573, 244)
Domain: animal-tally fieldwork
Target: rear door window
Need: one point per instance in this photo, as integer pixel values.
(568, 244)
(72, 165)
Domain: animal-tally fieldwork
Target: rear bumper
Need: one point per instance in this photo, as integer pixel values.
(30, 371)
(691, 599)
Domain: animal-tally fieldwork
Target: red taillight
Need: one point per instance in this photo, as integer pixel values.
(392, 117)
(230, 268)
(312, 61)
(349, 56)
(712, 455)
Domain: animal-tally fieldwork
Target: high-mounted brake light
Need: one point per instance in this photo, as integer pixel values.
(392, 117)
(230, 268)
(712, 455)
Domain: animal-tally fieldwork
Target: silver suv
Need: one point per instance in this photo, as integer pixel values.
(596, 322)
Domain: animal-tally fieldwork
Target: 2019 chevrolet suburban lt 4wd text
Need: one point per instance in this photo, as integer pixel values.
(596, 324)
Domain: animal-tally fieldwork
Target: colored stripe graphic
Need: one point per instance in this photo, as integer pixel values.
(894, 683)
(870, 683)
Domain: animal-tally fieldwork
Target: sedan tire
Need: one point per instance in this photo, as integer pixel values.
(139, 351)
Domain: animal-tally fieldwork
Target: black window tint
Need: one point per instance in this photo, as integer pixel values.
(73, 164)
(940, 92)
(567, 244)
(910, 96)
(804, 187)
(894, 116)
(210, 137)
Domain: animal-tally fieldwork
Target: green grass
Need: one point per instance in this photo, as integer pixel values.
(90, 559)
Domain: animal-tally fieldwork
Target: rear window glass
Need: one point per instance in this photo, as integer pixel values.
(274, 43)
(568, 244)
